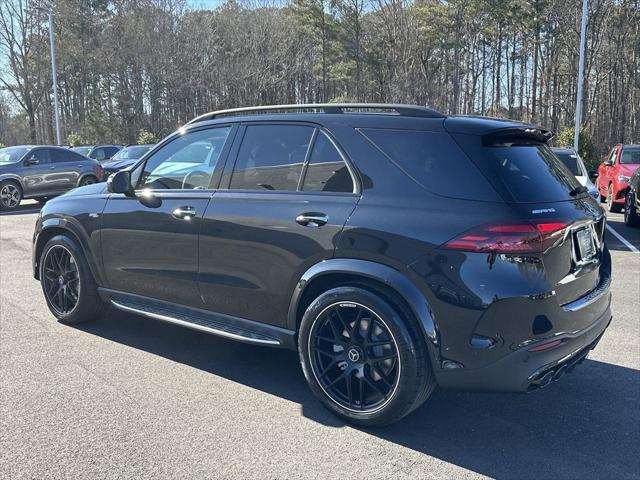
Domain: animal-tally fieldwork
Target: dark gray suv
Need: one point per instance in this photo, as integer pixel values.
(395, 248)
(40, 172)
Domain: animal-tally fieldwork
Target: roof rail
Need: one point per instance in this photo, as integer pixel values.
(364, 108)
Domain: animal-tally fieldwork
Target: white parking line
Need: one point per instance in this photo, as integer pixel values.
(623, 240)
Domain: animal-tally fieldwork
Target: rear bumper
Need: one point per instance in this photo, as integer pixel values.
(523, 370)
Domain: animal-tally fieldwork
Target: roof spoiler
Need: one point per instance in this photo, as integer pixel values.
(517, 134)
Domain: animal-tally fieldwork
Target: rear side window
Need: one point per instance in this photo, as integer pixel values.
(271, 157)
(522, 170)
(62, 156)
(326, 171)
(434, 161)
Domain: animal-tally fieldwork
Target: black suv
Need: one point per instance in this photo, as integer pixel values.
(394, 247)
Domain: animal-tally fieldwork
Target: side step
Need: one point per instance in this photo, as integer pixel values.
(216, 324)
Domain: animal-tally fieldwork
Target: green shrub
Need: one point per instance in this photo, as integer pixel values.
(145, 137)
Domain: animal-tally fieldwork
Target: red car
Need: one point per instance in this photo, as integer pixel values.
(614, 174)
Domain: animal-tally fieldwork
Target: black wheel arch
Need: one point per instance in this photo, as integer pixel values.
(60, 226)
(85, 175)
(382, 279)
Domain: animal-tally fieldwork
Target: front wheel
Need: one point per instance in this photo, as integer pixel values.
(631, 216)
(611, 205)
(364, 357)
(10, 195)
(67, 283)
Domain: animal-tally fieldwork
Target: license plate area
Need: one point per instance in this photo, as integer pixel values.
(585, 246)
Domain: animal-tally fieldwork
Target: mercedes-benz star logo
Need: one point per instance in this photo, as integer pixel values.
(354, 355)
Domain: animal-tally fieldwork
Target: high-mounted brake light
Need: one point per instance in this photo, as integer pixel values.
(525, 237)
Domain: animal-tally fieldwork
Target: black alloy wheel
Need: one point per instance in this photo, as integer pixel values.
(631, 217)
(354, 357)
(88, 180)
(61, 280)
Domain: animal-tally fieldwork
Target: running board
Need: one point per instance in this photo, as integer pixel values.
(209, 322)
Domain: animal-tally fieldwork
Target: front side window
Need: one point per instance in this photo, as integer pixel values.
(271, 157)
(98, 154)
(187, 162)
(41, 155)
(326, 171)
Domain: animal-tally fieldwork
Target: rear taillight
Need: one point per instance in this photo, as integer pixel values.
(100, 172)
(524, 237)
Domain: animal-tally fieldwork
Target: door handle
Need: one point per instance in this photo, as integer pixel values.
(184, 213)
(52, 168)
(312, 219)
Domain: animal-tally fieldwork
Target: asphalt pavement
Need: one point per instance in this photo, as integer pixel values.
(129, 397)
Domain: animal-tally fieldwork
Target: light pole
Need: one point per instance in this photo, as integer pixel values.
(583, 38)
(53, 73)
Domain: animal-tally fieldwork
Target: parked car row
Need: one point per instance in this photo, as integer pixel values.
(43, 171)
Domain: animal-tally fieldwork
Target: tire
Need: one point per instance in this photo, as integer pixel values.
(87, 180)
(631, 216)
(10, 195)
(364, 357)
(603, 198)
(67, 282)
(611, 205)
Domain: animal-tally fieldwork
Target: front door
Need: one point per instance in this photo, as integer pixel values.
(150, 241)
(282, 210)
(38, 173)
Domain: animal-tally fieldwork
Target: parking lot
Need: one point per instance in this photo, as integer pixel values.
(129, 397)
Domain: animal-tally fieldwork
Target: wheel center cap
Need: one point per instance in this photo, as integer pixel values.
(61, 279)
(355, 354)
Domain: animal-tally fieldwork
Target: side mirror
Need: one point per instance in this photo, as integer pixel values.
(31, 161)
(120, 182)
(607, 163)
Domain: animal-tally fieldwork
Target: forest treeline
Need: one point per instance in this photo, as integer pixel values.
(131, 65)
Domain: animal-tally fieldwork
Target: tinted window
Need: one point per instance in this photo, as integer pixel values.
(522, 170)
(326, 171)
(187, 162)
(42, 155)
(60, 156)
(630, 156)
(433, 160)
(271, 157)
(571, 161)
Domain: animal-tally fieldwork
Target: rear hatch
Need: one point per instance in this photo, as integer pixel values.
(555, 218)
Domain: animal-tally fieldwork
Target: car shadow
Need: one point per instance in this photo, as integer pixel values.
(23, 209)
(630, 234)
(585, 426)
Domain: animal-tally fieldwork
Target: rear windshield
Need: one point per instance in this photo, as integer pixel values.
(523, 171)
(630, 156)
(433, 160)
(572, 162)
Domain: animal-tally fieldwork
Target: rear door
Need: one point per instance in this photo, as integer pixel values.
(68, 166)
(288, 193)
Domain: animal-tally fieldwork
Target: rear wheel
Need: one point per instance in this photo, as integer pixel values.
(10, 195)
(363, 357)
(67, 283)
(88, 180)
(631, 216)
(611, 205)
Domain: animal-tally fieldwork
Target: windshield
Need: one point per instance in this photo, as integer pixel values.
(572, 162)
(12, 154)
(131, 153)
(82, 150)
(630, 156)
